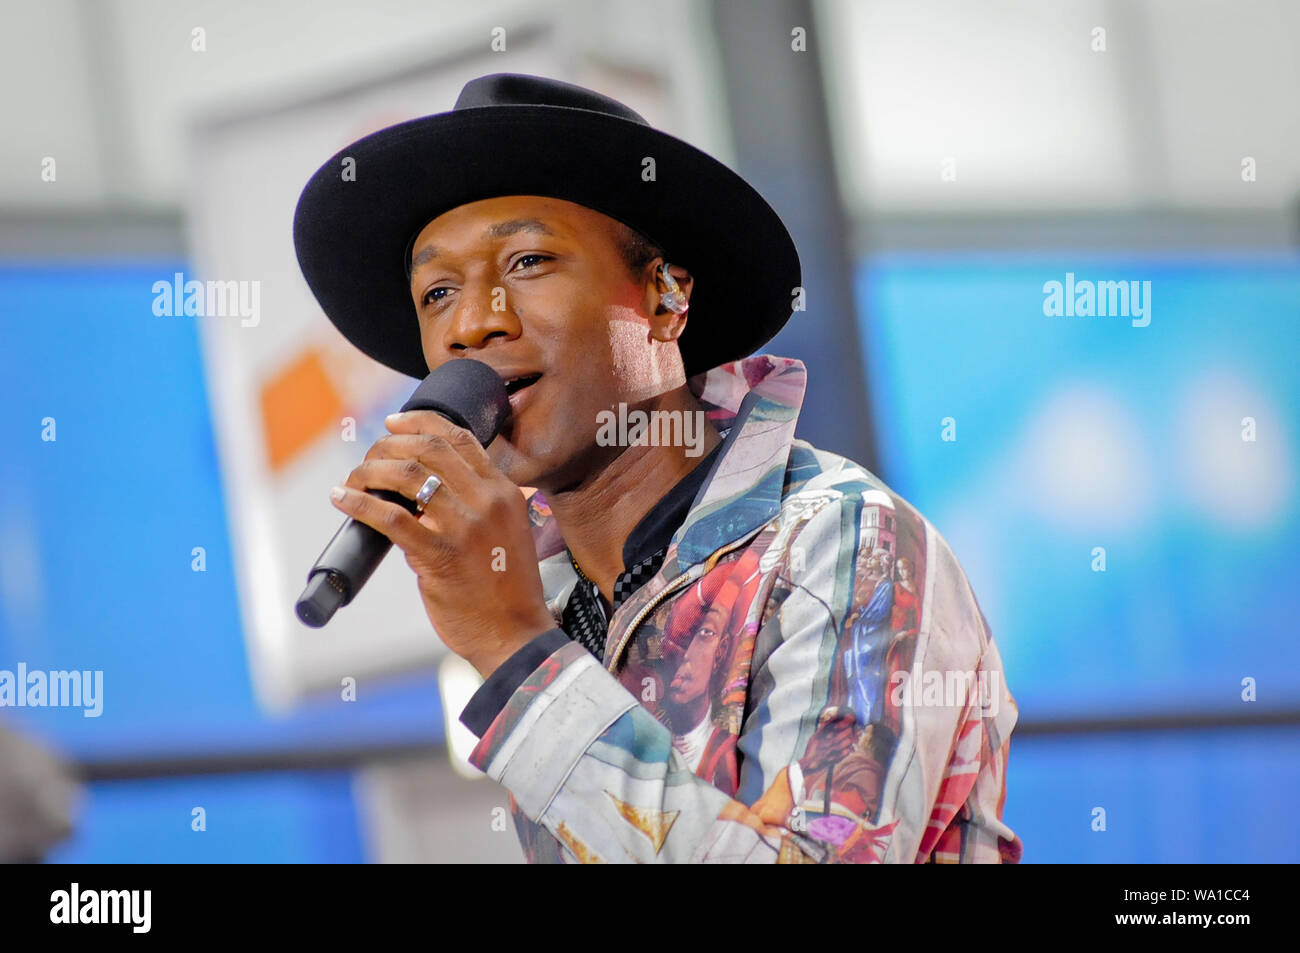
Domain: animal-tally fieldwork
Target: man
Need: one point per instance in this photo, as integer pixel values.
(706, 747)
(551, 233)
(872, 635)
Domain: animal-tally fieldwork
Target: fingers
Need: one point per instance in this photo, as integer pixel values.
(404, 476)
(403, 462)
(422, 444)
(405, 530)
(445, 434)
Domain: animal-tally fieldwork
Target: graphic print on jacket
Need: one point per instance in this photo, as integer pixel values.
(689, 665)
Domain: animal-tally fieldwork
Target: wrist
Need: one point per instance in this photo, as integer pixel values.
(487, 661)
(491, 656)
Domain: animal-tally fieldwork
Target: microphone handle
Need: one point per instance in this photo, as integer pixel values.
(349, 559)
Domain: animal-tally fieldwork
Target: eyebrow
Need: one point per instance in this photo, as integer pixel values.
(500, 230)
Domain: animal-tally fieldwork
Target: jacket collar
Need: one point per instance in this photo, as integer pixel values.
(756, 401)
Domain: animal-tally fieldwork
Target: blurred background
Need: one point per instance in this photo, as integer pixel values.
(1121, 494)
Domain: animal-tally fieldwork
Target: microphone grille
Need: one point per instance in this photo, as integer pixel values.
(469, 393)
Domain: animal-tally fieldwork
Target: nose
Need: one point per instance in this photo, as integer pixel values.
(480, 314)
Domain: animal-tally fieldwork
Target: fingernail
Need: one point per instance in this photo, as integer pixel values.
(338, 493)
(393, 418)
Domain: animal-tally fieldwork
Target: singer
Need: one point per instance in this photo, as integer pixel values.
(716, 667)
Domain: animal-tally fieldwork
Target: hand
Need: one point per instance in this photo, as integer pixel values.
(471, 549)
(833, 740)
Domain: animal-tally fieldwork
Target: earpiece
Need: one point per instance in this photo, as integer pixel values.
(672, 299)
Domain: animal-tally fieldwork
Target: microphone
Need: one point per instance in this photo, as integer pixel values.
(469, 394)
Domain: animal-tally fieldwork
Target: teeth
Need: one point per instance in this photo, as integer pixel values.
(512, 384)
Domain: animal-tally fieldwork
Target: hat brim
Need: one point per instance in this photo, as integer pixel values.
(351, 235)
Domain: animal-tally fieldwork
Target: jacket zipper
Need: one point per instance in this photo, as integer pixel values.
(667, 591)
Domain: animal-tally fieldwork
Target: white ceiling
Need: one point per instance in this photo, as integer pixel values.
(109, 88)
(1033, 119)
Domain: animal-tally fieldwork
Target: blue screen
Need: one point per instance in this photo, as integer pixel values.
(1085, 436)
(97, 528)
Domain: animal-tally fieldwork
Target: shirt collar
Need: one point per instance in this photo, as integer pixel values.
(759, 400)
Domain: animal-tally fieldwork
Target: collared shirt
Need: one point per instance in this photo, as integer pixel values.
(587, 614)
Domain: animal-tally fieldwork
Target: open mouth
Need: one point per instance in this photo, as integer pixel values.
(515, 384)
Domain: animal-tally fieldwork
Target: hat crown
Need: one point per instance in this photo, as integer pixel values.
(521, 89)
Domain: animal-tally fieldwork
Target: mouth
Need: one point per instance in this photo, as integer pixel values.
(515, 384)
(519, 390)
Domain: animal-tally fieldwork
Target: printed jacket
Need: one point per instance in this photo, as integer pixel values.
(807, 679)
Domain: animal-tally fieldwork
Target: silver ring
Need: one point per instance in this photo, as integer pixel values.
(426, 492)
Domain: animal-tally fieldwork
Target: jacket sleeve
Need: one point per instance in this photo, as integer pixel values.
(487, 703)
(822, 778)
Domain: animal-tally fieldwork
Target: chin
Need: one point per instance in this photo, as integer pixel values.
(521, 467)
(518, 469)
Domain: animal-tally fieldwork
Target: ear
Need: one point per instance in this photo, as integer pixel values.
(665, 324)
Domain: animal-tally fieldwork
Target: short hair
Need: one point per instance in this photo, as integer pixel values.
(636, 250)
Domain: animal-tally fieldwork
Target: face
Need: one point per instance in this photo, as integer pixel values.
(536, 288)
(691, 679)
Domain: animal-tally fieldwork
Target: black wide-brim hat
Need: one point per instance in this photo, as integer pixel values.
(514, 134)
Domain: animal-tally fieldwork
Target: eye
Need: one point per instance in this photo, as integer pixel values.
(532, 257)
(428, 295)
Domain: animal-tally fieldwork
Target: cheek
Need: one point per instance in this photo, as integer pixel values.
(627, 346)
(427, 347)
(634, 363)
